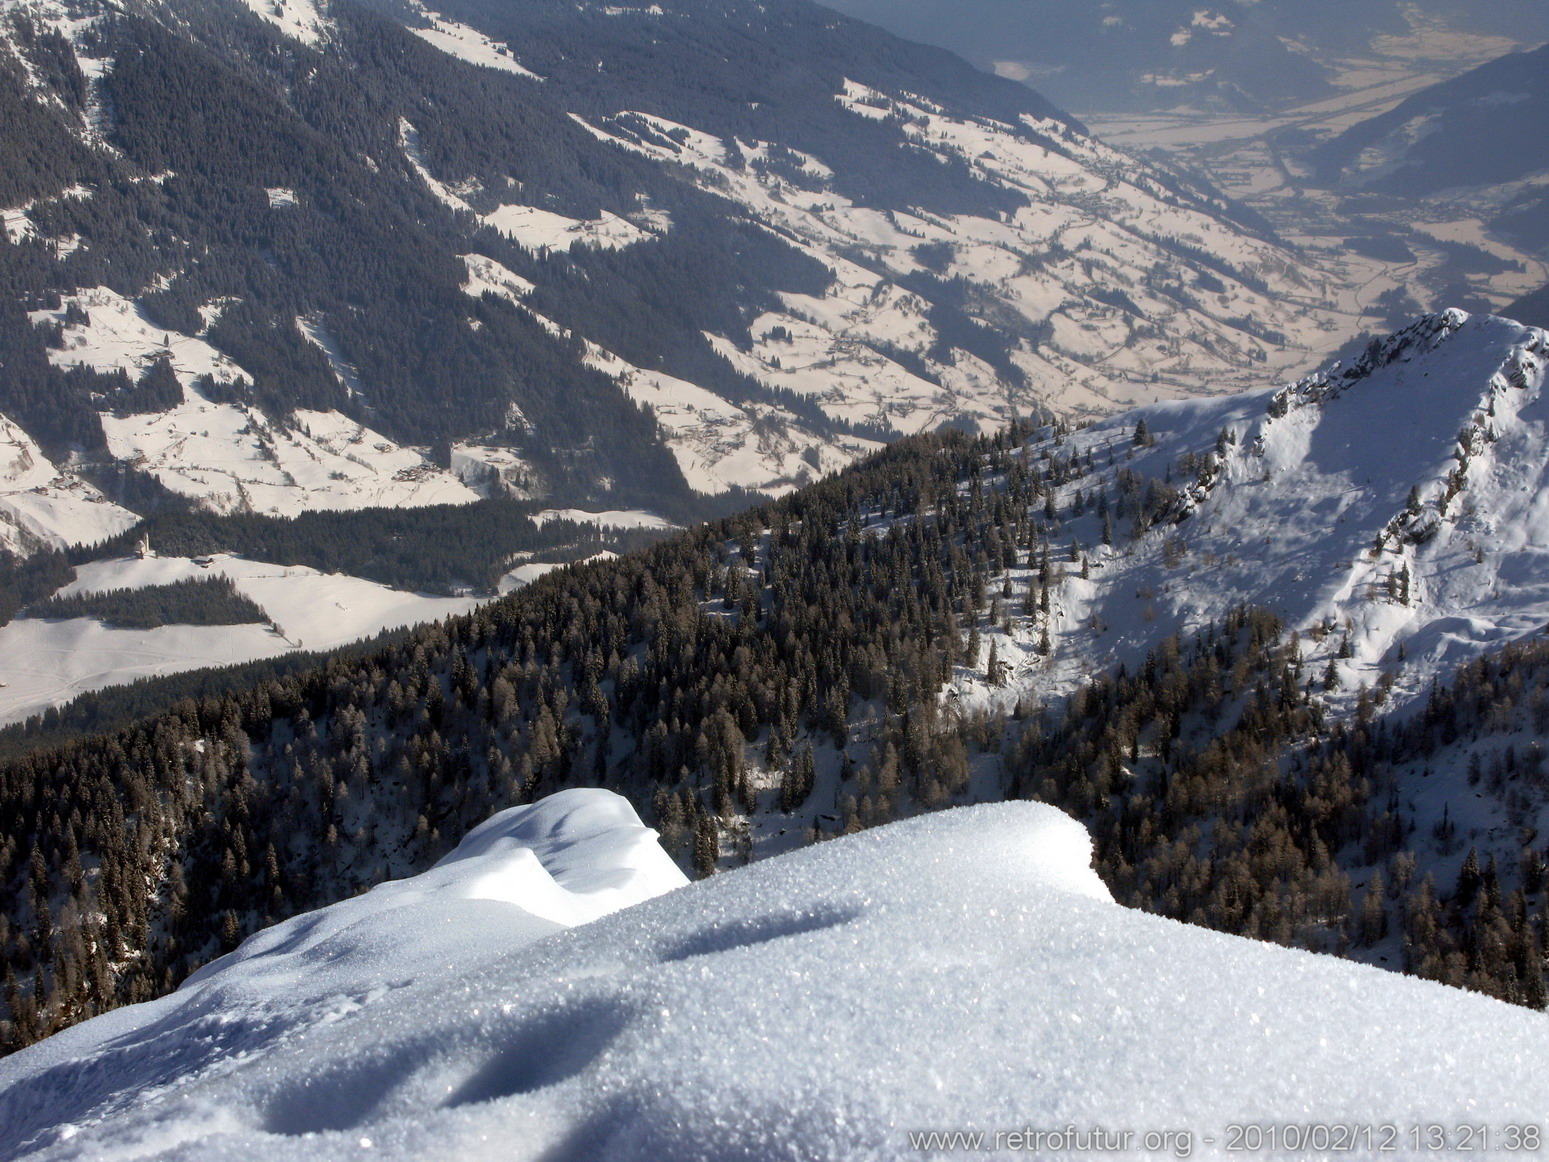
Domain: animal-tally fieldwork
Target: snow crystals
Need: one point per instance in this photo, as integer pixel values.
(963, 971)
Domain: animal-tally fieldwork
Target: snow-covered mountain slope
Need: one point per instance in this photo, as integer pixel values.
(1474, 130)
(233, 455)
(637, 283)
(48, 662)
(961, 972)
(1071, 279)
(1392, 511)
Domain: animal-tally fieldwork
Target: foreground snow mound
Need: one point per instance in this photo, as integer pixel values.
(961, 971)
(524, 874)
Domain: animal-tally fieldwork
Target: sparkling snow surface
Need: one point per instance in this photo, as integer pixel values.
(958, 971)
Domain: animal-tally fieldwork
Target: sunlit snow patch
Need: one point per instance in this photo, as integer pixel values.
(299, 19)
(535, 229)
(486, 276)
(470, 45)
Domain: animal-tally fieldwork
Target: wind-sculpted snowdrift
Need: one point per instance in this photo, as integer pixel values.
(960, 971)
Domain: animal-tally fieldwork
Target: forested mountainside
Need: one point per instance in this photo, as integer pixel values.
(1472, 130)
(378, 255)
(1344, 762)
(1532, 309)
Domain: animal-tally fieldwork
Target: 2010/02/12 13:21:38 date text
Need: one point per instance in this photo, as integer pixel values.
(1386, 1137)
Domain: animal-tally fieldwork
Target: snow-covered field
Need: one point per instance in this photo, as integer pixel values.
(469, 44)
(485, 275)
(236, 458)
(47, 663)
(537, 229)
(41, 506)
(959, 972)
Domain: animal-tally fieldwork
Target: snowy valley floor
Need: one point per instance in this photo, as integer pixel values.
(47, 662)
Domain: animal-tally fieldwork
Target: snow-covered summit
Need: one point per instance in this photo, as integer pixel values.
(964, 971)
(1393, 510)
